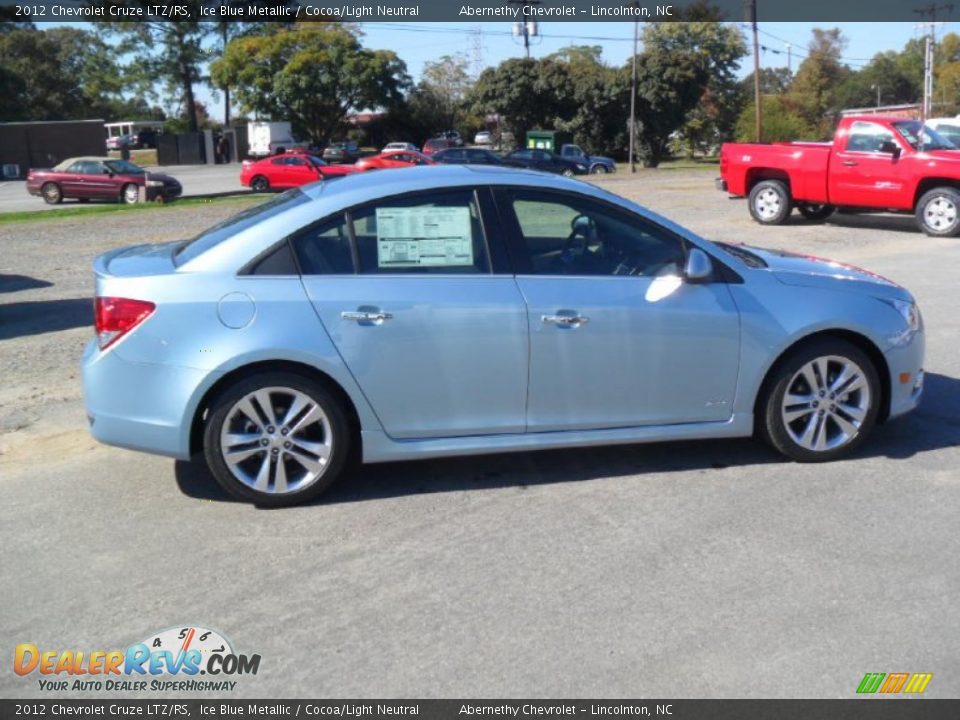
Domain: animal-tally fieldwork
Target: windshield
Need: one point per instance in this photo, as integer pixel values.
(238, 223)
(921, 137)
(317, 161)
(123, 167)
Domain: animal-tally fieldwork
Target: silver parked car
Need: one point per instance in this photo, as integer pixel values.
(451, 310)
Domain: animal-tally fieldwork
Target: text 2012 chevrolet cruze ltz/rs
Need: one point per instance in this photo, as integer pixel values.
(455, 310)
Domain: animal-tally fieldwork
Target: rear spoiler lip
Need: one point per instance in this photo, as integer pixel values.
(101, 264)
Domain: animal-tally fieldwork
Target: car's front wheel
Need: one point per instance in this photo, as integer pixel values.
(52, 194)
(821, 402)
(938, 212)
(130, 194)
(770, 202)
(259, 184)
(276, 439)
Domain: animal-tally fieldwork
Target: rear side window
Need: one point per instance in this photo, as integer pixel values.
(437, 233)
(324, 249)
(238, 223)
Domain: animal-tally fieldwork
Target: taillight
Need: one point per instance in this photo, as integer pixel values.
(115, 317)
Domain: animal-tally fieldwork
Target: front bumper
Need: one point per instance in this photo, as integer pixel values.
(906, 375)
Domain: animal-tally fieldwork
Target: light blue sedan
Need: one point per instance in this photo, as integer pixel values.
(455, 310)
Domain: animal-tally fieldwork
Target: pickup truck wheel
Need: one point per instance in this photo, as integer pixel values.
(770, 202)
(52, 195)
(938, 212)
(815, 212)
(599, 170)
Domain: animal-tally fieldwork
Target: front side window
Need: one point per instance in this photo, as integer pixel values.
(568, 235)
(438, 233)
(867, 137)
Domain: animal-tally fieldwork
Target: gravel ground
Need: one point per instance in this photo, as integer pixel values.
(669, 570)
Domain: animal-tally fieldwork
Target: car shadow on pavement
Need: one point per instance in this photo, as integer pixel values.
(894, 223)
(16, 283)
(935, 425)
(35, 318)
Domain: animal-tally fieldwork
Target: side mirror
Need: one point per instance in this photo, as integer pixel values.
(698, 267)
(890, 147)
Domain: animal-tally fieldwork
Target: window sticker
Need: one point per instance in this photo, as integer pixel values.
(424, 237)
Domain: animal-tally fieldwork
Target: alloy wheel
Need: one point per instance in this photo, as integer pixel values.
(277, 440)
(826, 402)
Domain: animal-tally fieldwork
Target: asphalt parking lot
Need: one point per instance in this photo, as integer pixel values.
(676, 570)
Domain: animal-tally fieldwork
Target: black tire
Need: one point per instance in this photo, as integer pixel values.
(598, 170)
(259, 184)
(83, 200)
(130, 194)
(816, 213)
(567, 173)
(938, 212)
(52, 194)
(770, 202)
(222, 411)
(780, 433)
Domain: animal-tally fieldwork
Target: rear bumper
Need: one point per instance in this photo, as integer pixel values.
(720, 184)
(140, 406)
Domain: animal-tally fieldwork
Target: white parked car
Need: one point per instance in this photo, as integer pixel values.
(484, 137)
(400, 146)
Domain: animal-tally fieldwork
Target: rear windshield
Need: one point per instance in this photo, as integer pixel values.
(238, 223)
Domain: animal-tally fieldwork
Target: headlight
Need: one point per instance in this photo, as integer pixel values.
(581, 167)
(154, 183)
(910, 313)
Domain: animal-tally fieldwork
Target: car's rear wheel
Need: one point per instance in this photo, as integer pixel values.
(568, 172)
(770, 202)
(599, 170)
(52, 194)
(259, 184)
(822, 401)
(276, 439)
(816, 212)
(130, 194)
(938, 212)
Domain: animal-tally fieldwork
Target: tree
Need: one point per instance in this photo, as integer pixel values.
(448, 82)
(529, 94)
(819, 77)
(169, 52)
(313, 74)
(773, 81)
(600, 100)
(782, 121)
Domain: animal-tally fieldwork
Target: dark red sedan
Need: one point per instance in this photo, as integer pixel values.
(100, 178)
(288, 170)
(393, 159)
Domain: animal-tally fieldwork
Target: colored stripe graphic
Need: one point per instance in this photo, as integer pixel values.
(894, 682)
(918, 682)
(870, 682)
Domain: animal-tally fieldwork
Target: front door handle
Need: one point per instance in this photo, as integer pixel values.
(850, 163)
(375, 316)
(572, 320)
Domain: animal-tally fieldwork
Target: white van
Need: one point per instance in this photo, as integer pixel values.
(270, 138)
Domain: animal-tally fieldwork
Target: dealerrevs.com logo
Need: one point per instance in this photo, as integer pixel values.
(167, 661)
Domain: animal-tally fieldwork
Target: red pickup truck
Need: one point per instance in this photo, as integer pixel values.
(874, 163)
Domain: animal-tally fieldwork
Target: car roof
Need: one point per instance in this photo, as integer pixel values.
(83, 158)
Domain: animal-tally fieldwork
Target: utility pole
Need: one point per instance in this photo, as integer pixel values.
(750, 9)
(930, 10)
(633, 93)
(524, 27)
(790, 58)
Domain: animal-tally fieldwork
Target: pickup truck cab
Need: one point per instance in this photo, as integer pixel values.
(874, 163)
(597, 164)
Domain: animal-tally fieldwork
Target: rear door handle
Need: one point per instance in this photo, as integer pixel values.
(376, 316)
(565, 320)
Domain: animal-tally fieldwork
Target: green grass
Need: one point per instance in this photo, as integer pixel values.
(99, 210)
(140, 157)
(712, 164)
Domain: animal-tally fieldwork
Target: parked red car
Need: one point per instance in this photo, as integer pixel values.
(878, 164)
(393, 159)
(100, 178)
(288, 170)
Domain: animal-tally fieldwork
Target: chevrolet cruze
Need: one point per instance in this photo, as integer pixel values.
(453, 310)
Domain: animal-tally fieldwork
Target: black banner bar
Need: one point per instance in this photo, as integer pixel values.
(578, 11)
(858, 709)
